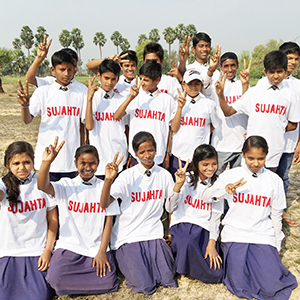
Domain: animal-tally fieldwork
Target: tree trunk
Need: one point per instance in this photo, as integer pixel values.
(1, 88)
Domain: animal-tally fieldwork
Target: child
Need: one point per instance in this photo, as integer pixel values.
(193, 120)
(149, 110)
(272, 107)
(28, 222)
(194, 224)
(80, 255)
(106, 134)
(60, 106)
(251, 236)
(141, 253)
(228, 138)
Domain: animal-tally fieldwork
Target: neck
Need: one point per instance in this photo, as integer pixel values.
(152, 91)
(201, 61)
(202, 177)
(288, 74)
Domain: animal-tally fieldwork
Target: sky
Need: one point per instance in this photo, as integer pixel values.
(236, 25)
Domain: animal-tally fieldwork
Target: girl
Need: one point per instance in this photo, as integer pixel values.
(28, 223)
(80, 263)
(142, 255)
(251, 237)
(194, 224)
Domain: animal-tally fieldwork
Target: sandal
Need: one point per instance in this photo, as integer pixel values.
(291, 221)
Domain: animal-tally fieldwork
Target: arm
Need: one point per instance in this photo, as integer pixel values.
(100, 260)
(166, 162)
(1, 195)
(89, 120)
(297, 151)
(94, 64)
(44, 260)
(23, 98)
(291, 126)
(175, 124)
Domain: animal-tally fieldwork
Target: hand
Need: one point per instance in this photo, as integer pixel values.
(100, 262)
(42, 49)
(111, 169)
(117, 58)
(166, 162)
(22, 95)
(175, 72)
(91, 88)
(296, 159)
(215, 259)
(180, 173)
(231, 187)
(182, 98)
(134, 90)
(219, 85)
(215, 59)
(184, 52)
(245, 73)
(44, 260)
(51, 152)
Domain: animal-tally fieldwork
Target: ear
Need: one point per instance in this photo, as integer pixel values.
(98, 76)
(117, 79)
(75, 163)
(265, 72)
(52, 69)
(157, 81)
(193, 50)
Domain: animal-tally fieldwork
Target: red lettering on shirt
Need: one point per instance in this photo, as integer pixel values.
(25, 206)
(197, 203)
(232, 99)
(105, 116)
(63, 111)
(256, 200)
(150, 114)
(86, 207)
(192, 121)
(146, 196)
(270, 109)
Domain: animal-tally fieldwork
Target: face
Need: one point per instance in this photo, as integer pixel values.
(21, 165)
(255, 158)
(193, 88)
(207, 168)
(64, 73)
(202, 51)
(129, 69)
(293, 61)
(108, 80)
(153, 56)
(86, 165)
(229, 67)
(149, 84)
(276, 76)
(146, 154)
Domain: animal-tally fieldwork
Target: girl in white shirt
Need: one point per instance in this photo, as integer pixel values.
(28, 222)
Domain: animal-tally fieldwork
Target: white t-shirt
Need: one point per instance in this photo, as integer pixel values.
(81, 218)
(230, 136)
(24, 226)
(269, 112)
(169, 85)
(108, 135)
(194, 130)
(123, 86)
(153, 114)
(60, 113)
(142, 204)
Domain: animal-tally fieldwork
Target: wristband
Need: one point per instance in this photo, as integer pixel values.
(169, 153)
(48, 249)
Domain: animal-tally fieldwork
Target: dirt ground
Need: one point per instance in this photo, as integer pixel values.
(13, 129)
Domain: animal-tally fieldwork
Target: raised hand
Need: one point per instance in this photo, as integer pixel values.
(117, 58)
(184, 52)
(180, 173)
(42, 49)
(91, 88)
(182, 98)
(51, 151)
(175, 72)
(134, 90)
(111, 169)
(23, 95)
(231, 187)
(219, 85)
(245, 73)
(215, 59)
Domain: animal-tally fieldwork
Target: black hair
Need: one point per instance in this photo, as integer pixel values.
(229, 55)
(87, 149)
(290, 48)
(202, 152)
(71, 52)
(11, 182)
(275, 60)
(142, 137)
(201, 36)
(255, 141)
(131, 55)
(151, 69)
(156, 48)
(62, 57)
(109, 65)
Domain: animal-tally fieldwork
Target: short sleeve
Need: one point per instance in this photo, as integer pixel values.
(243, 104)
(113, 209)
(35, 103)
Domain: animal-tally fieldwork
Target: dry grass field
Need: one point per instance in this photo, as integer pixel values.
(13, 129)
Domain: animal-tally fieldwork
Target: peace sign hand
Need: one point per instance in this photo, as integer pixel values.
(134, 90)
(175, 72)
(182, 98)
(219, 85)
(231, 187)
(51, 152)
(42, 49)
(180, 174)
(91, 88)
(22, 94)
(184, 52)
(215, 59)
(245, 73)
(111, 169)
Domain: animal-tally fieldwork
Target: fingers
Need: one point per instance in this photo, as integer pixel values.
(173, 64)
(60, 146)
(20, 86)
(45, 40)
(249, 66)
(26, 88)
(57, 149)
(136, 80)
(123, 56)
(55, 142)
(91, 81)
(179, 163)
(49, 44)
(239, 183)
(179, 94)
(115, 157)
(245, 63)
(186, 165)
(140, 83)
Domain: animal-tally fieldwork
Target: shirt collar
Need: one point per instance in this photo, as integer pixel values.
(61, 87)
(255, 175)
(142, 169)
(197, 98)
(231, 80)
(269, 85)
(92, 181)
(28, 179)
(207, 181)
(103, 93)
(154, 94)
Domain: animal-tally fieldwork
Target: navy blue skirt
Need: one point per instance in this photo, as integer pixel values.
(256, 271)
(20, 279)
(72, 273)
(146, 265)
(189, 242)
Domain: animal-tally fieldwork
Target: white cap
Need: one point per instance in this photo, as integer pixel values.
(192, 74)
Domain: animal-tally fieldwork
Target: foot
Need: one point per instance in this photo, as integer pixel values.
(289, 219)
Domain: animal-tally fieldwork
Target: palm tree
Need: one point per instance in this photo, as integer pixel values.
(100, 40)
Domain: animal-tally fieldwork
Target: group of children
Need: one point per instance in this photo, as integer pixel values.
(125, 135)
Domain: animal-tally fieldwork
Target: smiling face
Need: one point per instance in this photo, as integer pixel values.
(193, 88)
(276, 76)
(255, 158)
(64, 73)
(146, 154)
(293, 61)
(108, 80)
(202, 51)
(86, 165)
(129, 69)
(21, 165)
(229, 67)
(207, 168)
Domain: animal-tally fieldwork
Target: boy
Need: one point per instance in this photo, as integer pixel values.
(106, 134)
(60, 106)
(195, 117)
(228, 138)
(272, 107)
(150, 110)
